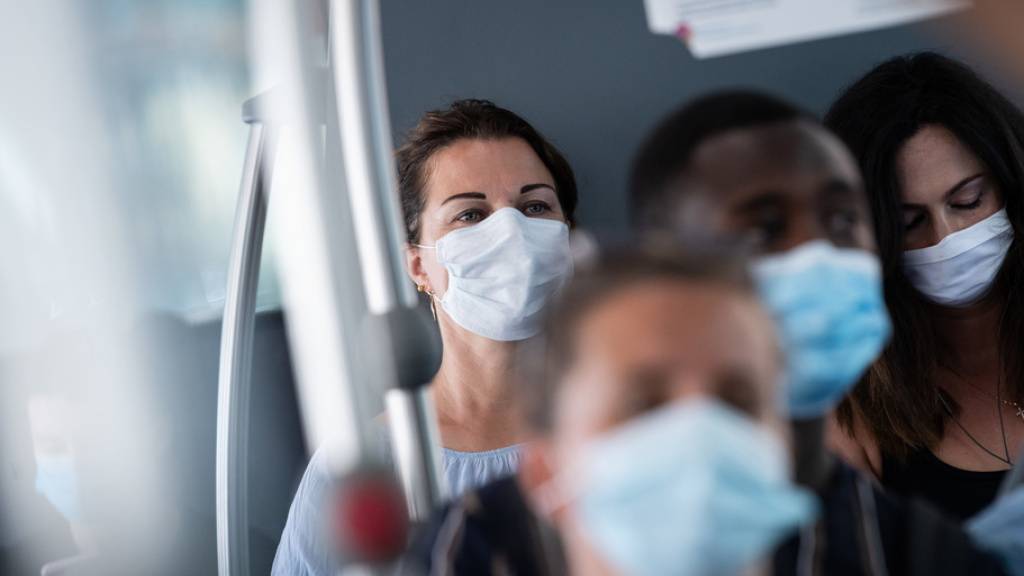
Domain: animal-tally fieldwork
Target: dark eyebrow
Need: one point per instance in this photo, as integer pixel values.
(760, 201)
(838, 187)
(956, 188)
(472, 195)
(532, 187)
(963, 183)
(482, 196)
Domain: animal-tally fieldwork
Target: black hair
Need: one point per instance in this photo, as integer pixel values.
(667, 152)
(875, 117)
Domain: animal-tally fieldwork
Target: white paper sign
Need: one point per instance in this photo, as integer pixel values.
(719, 27)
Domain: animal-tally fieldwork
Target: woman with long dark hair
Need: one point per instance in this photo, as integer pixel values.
(941, 414)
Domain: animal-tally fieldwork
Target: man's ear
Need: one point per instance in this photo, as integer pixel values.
(414, 267)
(537, 480)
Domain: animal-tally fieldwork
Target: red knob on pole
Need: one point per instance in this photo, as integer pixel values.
(371, 523)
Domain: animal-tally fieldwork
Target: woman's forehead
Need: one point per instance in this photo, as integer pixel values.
(932, 162)
(490, 166)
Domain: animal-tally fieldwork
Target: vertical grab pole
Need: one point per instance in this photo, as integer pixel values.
(358, 64)
(320, 272)
(236, 352)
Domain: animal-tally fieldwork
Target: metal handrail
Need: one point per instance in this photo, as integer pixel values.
(234, 376)
(321, 272)
(361, 96)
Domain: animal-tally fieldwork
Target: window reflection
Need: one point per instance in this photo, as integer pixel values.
(121, 147)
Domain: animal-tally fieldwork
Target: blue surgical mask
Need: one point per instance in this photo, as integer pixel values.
(830, 311)
(997, 529)
(694, 488)
(55, 480)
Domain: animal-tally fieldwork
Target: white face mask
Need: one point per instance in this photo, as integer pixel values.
(502, 272)
(960, 270)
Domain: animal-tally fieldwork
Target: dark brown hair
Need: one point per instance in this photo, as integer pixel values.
(546, 358)
(898, 400)
(471, 119)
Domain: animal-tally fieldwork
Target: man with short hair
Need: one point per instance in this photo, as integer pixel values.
(743, 167)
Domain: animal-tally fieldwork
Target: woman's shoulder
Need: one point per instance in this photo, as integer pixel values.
(854, 443)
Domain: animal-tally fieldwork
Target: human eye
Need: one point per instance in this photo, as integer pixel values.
(737, 390)
(471, 216)
(912, 220)
(969, 197)
(767, 229)
(970, 204)
(842, 222)
(536, 208)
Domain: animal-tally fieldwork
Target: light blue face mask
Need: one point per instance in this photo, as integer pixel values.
(997, 529)
(830, 312)
(692, 489)
(55, 479)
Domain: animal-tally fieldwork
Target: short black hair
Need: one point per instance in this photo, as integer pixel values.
(546, 358)
(667, 152)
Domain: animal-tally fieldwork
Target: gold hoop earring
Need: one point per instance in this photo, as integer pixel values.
(421, 288)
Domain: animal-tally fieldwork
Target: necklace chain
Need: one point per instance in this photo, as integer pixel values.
(1004, 402)
(1004, 459)
(999, 402)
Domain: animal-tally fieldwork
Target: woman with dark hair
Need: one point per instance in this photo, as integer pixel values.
(941, 413)
(488, 203)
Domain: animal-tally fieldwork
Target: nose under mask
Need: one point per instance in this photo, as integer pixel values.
(829, 310)
(655, 497)
(961, 269)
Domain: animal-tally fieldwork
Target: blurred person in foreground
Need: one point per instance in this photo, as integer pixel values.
(659, 449)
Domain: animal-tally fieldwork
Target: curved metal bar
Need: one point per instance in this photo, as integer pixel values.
(358, 63)
(413, 433)
(236, 353)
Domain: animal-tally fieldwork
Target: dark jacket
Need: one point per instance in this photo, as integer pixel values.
(862, 531)
(866, 531)
(490, 530)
